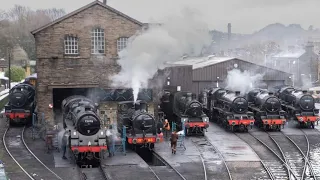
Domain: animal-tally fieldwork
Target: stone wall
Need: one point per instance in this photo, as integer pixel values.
(57, 70)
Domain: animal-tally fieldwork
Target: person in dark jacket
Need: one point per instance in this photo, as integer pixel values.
(174, 138)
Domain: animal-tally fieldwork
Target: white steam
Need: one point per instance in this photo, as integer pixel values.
(148, 51)
(243, 81)
(306, 81)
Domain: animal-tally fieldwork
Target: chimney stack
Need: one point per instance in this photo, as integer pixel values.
(309, 48)
(229, 31)
(105, 2)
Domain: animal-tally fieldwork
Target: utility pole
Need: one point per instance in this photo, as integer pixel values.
(9, 61)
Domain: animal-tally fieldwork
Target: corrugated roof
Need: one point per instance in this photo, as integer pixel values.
(200, 62)
(96, 2)
(290, 54)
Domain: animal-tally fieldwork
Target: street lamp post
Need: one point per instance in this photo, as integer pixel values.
(9, 65)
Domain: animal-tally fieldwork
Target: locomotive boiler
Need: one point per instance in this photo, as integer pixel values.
(299, 105)
(184, 108)
(228, 108)
(21, 105)
(141, 130)
(267, 109)
(87, 139)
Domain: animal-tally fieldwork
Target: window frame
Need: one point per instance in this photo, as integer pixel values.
(98, 42)
(71, 43)
(120, 43)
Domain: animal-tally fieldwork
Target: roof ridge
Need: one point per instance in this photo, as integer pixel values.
(96, 2)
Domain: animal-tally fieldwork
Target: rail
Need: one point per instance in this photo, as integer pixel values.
(221, 156)
(167, 164)
(202, 161)
(5, 146)
(272, 151)
(305, 157)
(263, 164)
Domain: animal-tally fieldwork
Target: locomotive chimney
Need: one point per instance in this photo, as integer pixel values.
(237, 93)
(304, 91)
(270, 93)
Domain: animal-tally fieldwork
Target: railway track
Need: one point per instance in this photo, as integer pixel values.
(157, 176)
(29, 163)
(89, 173)
(199, 144)
(282, 159)
(308, 169)
(270, 162)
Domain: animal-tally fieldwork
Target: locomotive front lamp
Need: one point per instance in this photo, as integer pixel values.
(101, 133)
(74, 133)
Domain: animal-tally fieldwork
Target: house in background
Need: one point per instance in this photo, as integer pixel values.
(301, 63)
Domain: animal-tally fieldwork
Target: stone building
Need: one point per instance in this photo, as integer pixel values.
(79, 51)
(302, 63)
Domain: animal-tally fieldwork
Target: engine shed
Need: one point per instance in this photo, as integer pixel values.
(212, 71)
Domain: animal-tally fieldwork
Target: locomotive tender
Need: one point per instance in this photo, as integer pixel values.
(87, 139)
(141, 130)
(182, 107)
(267, 109)
(299, 105)
(22, 103)
(228, 108)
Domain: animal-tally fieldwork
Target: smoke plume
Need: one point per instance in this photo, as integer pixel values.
(243, 81)
(306, 82)
(148, 51)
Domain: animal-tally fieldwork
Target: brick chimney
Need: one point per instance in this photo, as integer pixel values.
(309, 48)
(229, 31)
(105, 2)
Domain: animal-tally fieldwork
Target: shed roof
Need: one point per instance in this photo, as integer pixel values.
(290, 54)
(201, 62)
(96, 2)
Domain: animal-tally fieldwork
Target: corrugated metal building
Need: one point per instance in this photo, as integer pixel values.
(207, 71)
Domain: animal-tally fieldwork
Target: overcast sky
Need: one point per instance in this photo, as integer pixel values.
(246, 16)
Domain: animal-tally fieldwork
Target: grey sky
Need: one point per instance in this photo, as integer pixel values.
(246, 16)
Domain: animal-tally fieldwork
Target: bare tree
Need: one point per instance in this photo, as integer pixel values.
(18, 22)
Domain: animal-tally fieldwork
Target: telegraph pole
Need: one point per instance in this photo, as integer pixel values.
(9, 61)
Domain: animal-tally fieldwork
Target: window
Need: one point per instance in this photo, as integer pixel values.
(97, 41)
(122, 43)
(71, 45)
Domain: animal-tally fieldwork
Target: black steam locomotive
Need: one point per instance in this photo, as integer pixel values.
(87, 140)
(21, 105)
(299, 105)
(227, 108)
(184, 107)
(267, 109)
(140, 125)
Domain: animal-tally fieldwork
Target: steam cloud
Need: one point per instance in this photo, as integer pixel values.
(149, 50)
(243, 81)
(306, 82)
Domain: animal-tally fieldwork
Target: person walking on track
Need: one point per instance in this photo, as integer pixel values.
(174, 138)
(166, 128)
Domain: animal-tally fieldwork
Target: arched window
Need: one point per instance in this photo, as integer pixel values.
(97, 41)
(122, 43)
(71, 45)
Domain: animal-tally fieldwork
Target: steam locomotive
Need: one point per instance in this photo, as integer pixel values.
(87, 140)
(227, 108)
(267, 109)
(141, 130)
(184, 107)
(298, 104)
(22, 103)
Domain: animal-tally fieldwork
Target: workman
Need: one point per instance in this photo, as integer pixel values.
(166, 128)
(174, 138)
(109, 140)
(65, 142)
